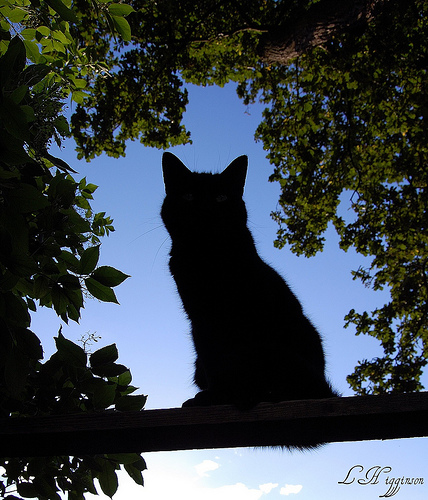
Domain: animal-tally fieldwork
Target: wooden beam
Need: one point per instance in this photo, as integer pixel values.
(288, 423)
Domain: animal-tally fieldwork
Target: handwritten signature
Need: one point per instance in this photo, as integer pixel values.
(372, 475)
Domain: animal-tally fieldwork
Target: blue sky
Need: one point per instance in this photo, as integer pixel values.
(152, 334)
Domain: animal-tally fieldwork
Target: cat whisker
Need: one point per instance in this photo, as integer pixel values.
(159, 249)
(147, 232)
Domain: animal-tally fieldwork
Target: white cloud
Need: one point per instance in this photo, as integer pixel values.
(236, 491)
(164, 483)
(206, 466)
(290, 489)
(181, 488)
(268, 487)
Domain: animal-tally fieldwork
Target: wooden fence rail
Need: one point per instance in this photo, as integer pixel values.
(294, 422)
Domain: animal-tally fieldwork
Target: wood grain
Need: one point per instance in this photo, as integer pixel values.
(288, 423)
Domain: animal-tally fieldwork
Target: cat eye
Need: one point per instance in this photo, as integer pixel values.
(220, 198)
(188, 197)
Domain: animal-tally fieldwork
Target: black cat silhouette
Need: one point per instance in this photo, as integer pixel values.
(252, 341)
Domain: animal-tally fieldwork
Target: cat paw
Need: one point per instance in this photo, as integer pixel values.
(203, 398)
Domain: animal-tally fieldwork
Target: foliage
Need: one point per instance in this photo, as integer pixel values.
(49, 251)
(349, 121)
(132, 86)
(65, 384)
(143, 95)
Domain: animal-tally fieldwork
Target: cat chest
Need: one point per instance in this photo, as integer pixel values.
(205, 274)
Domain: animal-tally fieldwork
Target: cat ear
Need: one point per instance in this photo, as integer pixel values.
(236, 172)
(174, 172)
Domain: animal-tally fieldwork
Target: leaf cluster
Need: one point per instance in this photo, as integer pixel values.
(66, 383)
(49, 252)
(80, 41)
(48, 232)
(141, 94)
(349, 121)
(131, 86)
(46, 218)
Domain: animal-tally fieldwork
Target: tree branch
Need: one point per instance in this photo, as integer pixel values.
(315, 27)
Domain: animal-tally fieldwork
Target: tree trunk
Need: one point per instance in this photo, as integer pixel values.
(315, 27)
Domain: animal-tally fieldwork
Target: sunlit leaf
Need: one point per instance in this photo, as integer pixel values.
(120, 9)
(122, 26)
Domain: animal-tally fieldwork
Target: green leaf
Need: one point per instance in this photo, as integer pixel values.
(28, 343)
(46, 488)
(124, 391)
(74, 295)
(73, 263)
(65, 13)
(124, 458)
(131, 403)
(16, 369)
(109, 370)
(32, 50)
(60, 36)
(109, 276)
(60, 299)
(89, 188)
(61, 164)
(14, 309)
(28, 198)
(42, 287)
(61, 124)
(69, 281)
(108, 478)
(122, 27)
(107, 354)
(13, 152)
(19, 94)
(123, 380)
(134, 474)
(120, 9)
(78, 96)
(31, 305)
(70, 352)
(27, 490)
(13, 61)
(79, 224)
(89, 260)
(100, 291)
(14, 119)
(16, 14)
(91, 384)
(8, 281)
(104, 396)
(29, 113)
(44, 31)
(79, 83)
(35, 73)
(28, 33)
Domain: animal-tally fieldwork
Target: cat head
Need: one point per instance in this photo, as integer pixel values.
(203, 202)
